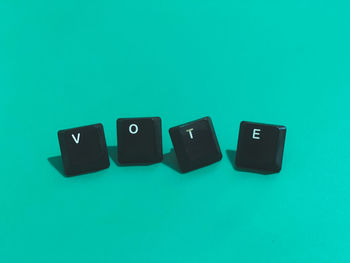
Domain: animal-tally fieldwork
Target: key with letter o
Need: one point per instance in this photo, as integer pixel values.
(139, 140)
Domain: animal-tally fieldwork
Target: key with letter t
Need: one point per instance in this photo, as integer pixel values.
(83, 149)
(139, 140)
(195, 144)
(260, 147)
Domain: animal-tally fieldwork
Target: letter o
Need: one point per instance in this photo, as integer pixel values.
(135, 130)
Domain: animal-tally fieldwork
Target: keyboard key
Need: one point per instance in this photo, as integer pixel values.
(195, 144)
(83, 149)
(139, 140)
(260, 147)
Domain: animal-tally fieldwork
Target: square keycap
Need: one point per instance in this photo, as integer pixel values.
(139, 140)
(195, 144)
(83, 149)
(260, 147)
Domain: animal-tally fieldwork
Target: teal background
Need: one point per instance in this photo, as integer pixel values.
(69, 63)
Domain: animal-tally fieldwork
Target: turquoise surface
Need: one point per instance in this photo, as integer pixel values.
(65, 64)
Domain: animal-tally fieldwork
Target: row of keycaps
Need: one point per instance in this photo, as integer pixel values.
(260, 146)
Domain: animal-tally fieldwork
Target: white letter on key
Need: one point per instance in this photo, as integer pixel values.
(190, 132)
(76, 139)
(256, 133)
(135, 130)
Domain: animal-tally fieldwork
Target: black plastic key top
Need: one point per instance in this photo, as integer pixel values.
(83, 149)
(260, 147)
(195, 144)
(139, 140)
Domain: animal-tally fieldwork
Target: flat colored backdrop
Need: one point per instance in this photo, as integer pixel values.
(69, 63)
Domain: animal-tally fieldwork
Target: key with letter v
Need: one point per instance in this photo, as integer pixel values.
(83, 149)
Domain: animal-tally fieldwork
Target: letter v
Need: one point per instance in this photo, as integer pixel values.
(76, 139)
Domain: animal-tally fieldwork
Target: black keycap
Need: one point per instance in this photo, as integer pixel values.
(260, 147)
(83, 149)
(195, 144)
(139, 140)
